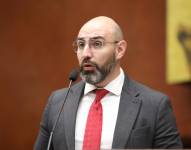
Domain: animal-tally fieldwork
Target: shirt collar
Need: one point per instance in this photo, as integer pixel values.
(115, 86)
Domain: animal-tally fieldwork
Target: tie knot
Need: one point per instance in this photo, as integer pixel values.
(100, 93)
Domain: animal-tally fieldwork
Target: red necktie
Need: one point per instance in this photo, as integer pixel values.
(92, 136)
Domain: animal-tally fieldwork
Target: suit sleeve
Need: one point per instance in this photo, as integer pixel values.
(45, 129)
(166, 132)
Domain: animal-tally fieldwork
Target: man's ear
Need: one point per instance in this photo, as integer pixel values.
(121, 49)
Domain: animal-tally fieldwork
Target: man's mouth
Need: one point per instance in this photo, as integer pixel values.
(88, 67)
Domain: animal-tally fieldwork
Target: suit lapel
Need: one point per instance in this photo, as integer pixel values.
(127, 114)
(71, 107)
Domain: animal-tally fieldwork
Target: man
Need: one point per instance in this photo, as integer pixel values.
(129, 114)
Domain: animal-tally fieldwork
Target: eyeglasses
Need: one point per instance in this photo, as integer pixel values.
(93, 43)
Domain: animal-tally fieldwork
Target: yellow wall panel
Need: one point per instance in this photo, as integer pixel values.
(178, 41)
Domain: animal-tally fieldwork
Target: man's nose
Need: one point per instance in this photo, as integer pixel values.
(87, 52)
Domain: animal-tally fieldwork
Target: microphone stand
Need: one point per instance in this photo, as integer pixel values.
(60, 111)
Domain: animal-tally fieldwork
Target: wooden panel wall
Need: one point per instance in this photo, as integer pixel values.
(36, 57)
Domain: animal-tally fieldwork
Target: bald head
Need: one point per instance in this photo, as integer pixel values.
(103, 26)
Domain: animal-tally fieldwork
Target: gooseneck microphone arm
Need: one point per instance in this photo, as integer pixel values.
(73, 76)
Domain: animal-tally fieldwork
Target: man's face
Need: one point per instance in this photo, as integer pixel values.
(96, 55)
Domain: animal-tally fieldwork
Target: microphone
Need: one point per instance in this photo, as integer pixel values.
(73, 77)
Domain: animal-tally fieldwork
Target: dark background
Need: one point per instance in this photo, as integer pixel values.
(36, 57)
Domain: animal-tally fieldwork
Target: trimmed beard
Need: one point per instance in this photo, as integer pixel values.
(100, 73)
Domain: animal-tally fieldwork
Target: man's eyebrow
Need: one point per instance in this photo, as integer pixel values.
(94, 38)
(97, 37)
(80, 38)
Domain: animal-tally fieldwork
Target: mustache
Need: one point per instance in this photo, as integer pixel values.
(87, 62)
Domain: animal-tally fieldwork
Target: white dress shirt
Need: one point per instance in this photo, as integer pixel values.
(110, 105)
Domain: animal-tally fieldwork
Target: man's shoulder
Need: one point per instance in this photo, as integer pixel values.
(152, 100)
(147, 93)
(145, 89)
(59, 94)
(74, 87)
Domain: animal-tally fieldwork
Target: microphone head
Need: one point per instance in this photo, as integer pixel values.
(73, 75)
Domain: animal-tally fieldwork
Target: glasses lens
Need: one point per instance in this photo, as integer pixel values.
(96, 44)
(80, 44)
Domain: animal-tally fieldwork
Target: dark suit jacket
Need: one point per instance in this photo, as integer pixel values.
(145, 119)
